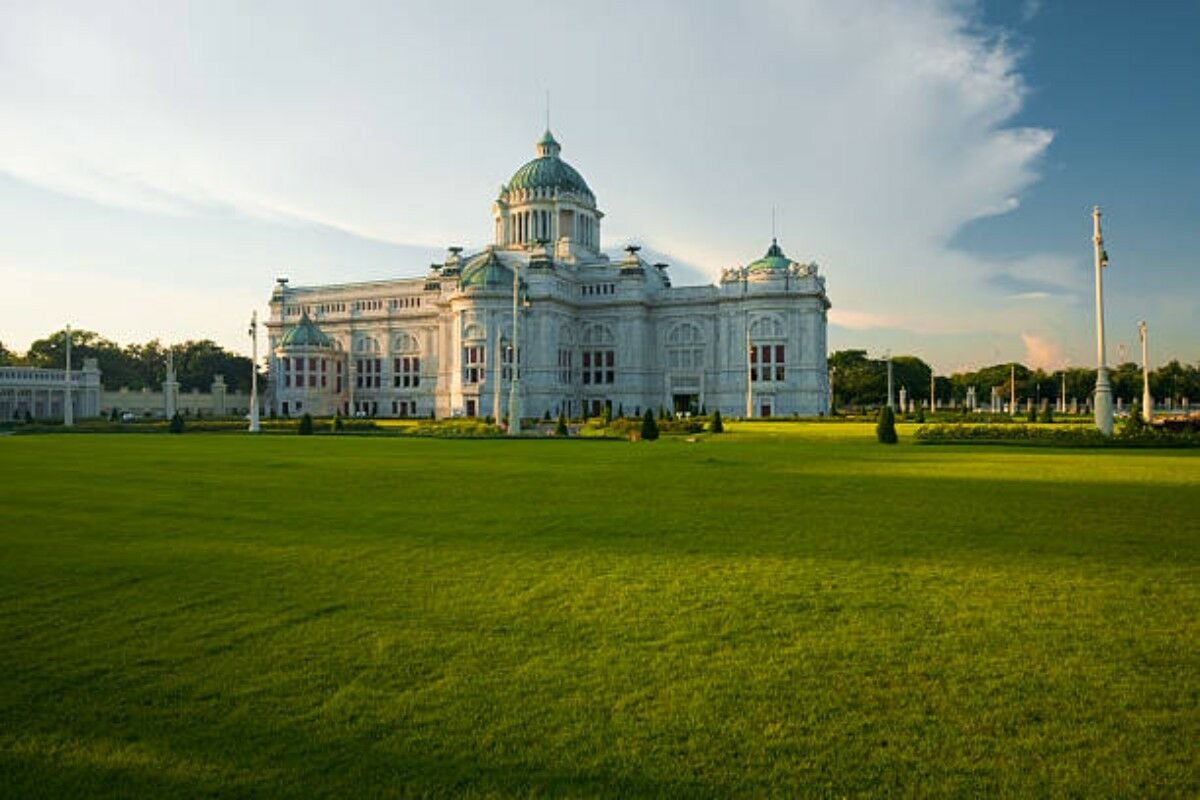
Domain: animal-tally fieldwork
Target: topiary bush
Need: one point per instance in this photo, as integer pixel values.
(717, 426)
(1047, 415)
(649, 427)
(560, 428)
(885, 429)
(176, 424)
(306, 425)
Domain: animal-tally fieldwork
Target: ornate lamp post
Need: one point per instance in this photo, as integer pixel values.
(1104, 400)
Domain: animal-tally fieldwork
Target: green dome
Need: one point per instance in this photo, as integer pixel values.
(486, 271)
(548, 171)
(305, 334)
(773, 261)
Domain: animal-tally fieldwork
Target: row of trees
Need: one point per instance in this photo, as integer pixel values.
(137, 366)
(862, 381)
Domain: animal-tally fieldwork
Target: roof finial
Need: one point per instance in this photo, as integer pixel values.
(773, 237)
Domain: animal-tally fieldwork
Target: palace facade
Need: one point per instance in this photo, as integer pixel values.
(594, 332)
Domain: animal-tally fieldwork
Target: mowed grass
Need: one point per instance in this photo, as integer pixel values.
(787, 610)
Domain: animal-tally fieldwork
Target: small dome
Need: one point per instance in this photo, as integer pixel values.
(305, 334)
(548, 171)
(486, 271)
(773, 261)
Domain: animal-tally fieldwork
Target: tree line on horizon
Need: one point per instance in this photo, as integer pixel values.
(862, 381)
(858, 380)
(137, 366)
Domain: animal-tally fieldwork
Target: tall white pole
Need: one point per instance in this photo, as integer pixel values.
(1104, 401)
(1147, 400)
(890, 403)
(68, 404)
(514, 397)
(497, 370)
(749, 371)
(1012, 389)
(1062, 400)
(254, 424)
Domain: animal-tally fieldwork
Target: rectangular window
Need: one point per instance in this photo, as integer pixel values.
(407, 372)
(766, 362)
(473, 364)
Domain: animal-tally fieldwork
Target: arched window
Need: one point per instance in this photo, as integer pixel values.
(474, 354)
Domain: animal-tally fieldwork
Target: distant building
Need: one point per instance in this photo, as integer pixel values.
(41, 392)
(595, 333)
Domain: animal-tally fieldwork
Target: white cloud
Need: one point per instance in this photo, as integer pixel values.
(877, 128)
(1041, 352)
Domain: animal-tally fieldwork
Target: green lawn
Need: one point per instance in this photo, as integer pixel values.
(784, 610)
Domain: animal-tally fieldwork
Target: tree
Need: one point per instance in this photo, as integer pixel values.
(717, 426)
(649, 427)
(1047, 415)
(176, 425)
(560, 428)
(620, 411)
(1031, 415)
(605, 415)
(306, 425)
(921, 414)
(337, 420)
(885, 429)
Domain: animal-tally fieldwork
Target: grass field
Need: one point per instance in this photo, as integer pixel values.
(784, 610)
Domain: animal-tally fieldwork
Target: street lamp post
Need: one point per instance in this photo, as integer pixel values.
(514, 397)
(1104, 400)
(1147, 400)
(68, 403)
(254, 423)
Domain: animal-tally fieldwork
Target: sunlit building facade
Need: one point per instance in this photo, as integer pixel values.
(594, 331)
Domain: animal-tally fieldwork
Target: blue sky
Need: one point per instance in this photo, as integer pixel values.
(161, 164)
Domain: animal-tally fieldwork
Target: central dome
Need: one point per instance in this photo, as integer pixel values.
(548, 171)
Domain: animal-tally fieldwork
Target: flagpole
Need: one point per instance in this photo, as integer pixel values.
(1104, 401)
(254, 426)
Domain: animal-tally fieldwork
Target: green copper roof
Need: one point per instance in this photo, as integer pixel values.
(548, 171)
(305, 334)
(773, 261)
(486, 271)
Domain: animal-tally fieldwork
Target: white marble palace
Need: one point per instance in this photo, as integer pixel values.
(594, 332)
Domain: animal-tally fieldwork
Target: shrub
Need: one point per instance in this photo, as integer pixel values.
(1031, 415)
(176, 425)
(28, 417)
(885, 429)
(649, 427)
(546, 416)
(560, 428)
(337, 421)
(1134, 425)
(717, 426)
(1047, 415)
(621, 410)
(113, 415)
(921, 414)
(306, 425)
(605, 416)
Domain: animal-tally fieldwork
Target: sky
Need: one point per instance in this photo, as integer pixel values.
(162, 163)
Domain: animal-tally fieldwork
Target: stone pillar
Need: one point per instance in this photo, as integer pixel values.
(218, 396)
(903, 399)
